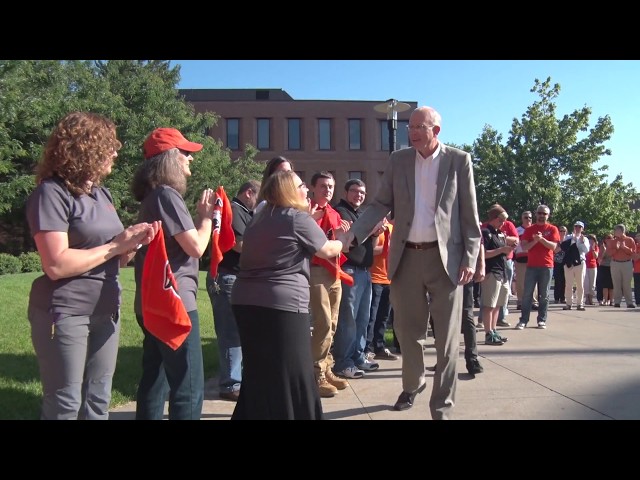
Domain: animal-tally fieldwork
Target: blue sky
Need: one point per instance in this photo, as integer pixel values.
(467, 93)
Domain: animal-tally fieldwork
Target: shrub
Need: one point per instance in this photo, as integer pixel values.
(9, 264)
(30, 262)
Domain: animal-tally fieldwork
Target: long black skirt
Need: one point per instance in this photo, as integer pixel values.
(604, 275)
(278, 381)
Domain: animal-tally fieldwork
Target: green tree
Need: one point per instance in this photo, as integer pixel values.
(138, 95)
(552, 160)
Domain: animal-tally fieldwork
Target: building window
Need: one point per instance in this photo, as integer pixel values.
(293, 132)
(264, 126)
(402, 135)
(356, 175)
(355, 139)
(324, 134)
(233, 133)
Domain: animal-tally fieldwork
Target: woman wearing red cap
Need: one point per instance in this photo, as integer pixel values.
(159, 185)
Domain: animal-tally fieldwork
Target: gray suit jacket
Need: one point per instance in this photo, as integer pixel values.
(456, 222)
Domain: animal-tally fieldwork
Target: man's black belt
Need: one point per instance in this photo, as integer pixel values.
(420, 246)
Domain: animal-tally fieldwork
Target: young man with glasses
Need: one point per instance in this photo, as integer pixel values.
(539, 240)
(353, 319)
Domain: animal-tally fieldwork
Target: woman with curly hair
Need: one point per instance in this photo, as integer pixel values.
(74, 308)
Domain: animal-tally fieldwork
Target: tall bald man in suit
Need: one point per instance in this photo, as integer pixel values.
(429, 189)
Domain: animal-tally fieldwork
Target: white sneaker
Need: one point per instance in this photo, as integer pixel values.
(542, 324)
(520, 326)
(368, 365)
(350, 372)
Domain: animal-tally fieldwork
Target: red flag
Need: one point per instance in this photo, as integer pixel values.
(222, 236)
(163, 312)
(334, 264)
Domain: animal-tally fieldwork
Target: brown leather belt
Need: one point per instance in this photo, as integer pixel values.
(420, 246)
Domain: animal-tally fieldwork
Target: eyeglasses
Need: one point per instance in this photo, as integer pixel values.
(542, 213)
(527, 218)
(357, 191)
(422, 127)
(302, 185)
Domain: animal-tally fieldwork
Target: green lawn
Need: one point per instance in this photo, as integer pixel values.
(20, 389)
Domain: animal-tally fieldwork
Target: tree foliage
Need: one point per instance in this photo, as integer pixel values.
(552, 160)
(138, 95)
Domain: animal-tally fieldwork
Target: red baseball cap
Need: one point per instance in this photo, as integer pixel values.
(163, 139)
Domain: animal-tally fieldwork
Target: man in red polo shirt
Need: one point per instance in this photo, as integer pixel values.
(325, 288)
(539, 240)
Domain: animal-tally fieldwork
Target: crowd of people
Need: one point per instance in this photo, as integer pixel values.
(304, 298)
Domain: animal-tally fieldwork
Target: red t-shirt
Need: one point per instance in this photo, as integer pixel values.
(509, 230)
(539, 255)
(591, 260)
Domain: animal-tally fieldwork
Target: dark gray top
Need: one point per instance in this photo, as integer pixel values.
(274, 265)
(241, 216)
(166, 204)
(89, 221)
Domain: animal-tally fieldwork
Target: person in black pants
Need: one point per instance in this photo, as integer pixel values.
(468, 325)
(558, 269)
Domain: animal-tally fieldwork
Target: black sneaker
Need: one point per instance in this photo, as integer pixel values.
(581, 308)
(474, 367)
(497, 335)
(502, 323)
(491, 339)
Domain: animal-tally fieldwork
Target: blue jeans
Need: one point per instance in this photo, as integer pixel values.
(540, 276)
(378, 317)
(179, 373)
(353, 319)
(224, 322)
(509, 272)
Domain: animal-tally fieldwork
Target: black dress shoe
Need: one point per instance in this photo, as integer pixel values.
(231, 396)
(405, 400)
(474, 367)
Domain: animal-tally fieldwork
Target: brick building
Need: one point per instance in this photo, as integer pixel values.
(346, 137)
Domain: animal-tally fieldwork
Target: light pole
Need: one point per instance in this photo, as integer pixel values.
(391, 107)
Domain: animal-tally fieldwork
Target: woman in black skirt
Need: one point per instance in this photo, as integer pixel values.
(604, 273)
(270, 300)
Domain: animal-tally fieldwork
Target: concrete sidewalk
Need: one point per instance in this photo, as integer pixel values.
(584, 366)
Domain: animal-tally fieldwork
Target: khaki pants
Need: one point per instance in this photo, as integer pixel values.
(326, 292)
(574, 275)
(621, 274)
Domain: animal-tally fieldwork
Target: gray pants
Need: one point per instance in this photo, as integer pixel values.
(421, 272)
(77, 358)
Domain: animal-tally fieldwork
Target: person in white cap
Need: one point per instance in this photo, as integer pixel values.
(576, 247)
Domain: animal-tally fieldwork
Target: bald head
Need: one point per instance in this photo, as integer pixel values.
(428, 115)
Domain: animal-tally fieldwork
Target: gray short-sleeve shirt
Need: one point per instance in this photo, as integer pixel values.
(274, 265)
(89, 221)
(166, 204)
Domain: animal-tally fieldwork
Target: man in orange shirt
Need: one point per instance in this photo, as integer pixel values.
(539, 240)
(380, 303)
(621, 248)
